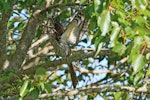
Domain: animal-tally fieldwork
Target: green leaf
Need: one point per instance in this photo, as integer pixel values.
(129, 32)
(137, 41)
(40, 71)
(48, 88)
(148, 72)
(104, 22)
(42, 85)
(7, 5)
(98, 49)
(98, 5)
(65, 14)
(140, 20)
(83, 1)
(92, 24)
(99, 40)
(148, 56)
(114, 34)
(147, 40)
(138, 62)
(140, 4)
(133, 2)
(135, 50)
(24, 89)
(7, 75)
(137, 46)
(138, 77)
(121, 96)
(118, 95)
(40, 3)
(119, 48)
(89, 11)
(146, 12)
(35, 93)
(131, 79)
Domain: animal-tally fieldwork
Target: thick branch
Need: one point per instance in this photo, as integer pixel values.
(3, 31)
(25, 42)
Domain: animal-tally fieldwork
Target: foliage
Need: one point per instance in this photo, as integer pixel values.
(117, 29)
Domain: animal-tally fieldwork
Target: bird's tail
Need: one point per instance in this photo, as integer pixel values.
(73, 75)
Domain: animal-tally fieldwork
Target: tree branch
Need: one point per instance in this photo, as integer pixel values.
(25, 42)
(71, 92)
(62, 5)
(74, 57)
(95, 71)
(34, 59)
(3, 32)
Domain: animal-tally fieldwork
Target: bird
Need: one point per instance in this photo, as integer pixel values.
(72, 32)
(69, 36)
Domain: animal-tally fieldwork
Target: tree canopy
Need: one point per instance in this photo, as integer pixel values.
(111, 58)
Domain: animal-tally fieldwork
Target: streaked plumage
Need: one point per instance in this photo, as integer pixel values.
(69, 36)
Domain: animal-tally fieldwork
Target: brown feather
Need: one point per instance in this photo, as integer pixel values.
(74, 78)
(59, 29)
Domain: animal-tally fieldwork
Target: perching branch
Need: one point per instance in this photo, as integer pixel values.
(75, 57)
